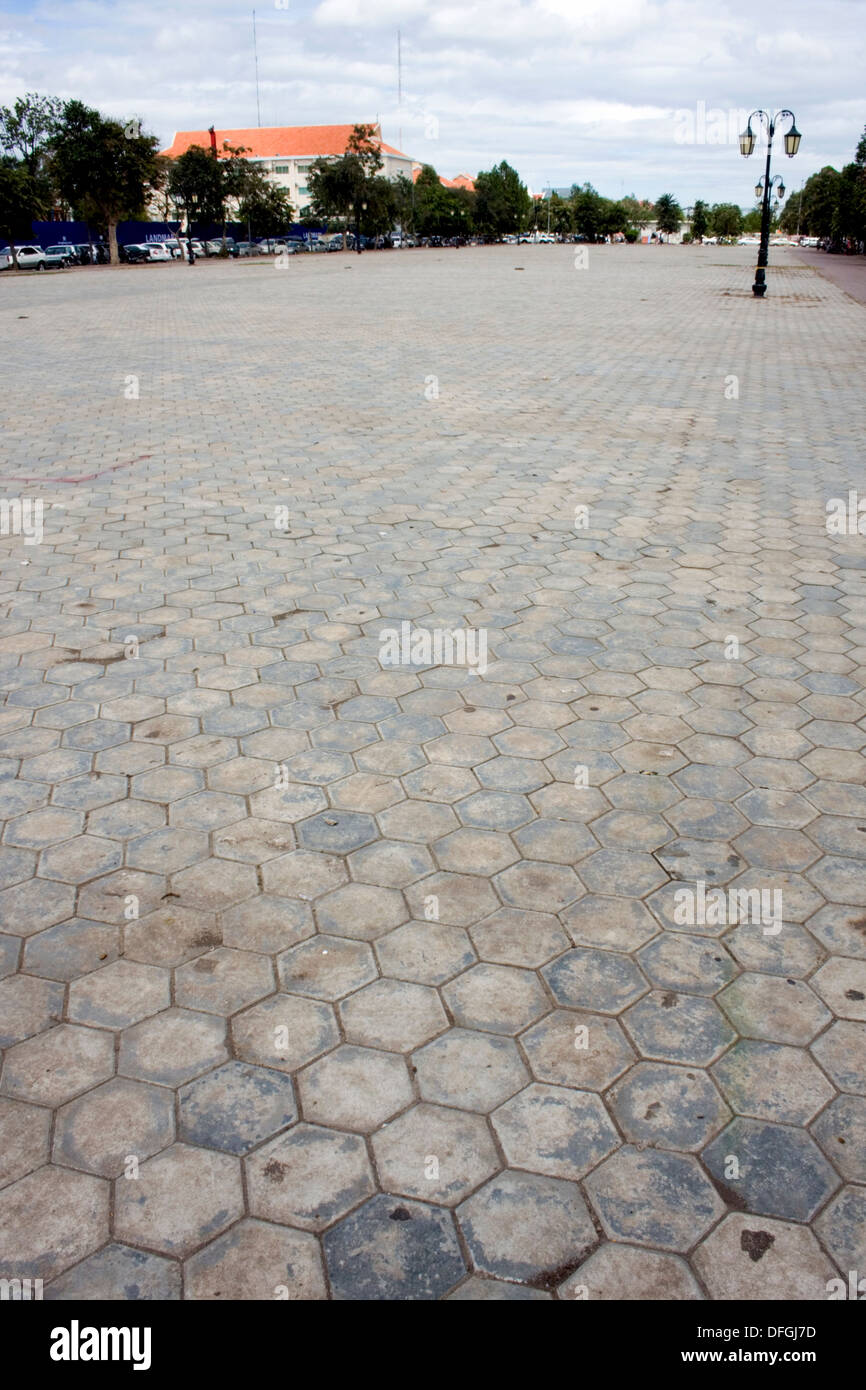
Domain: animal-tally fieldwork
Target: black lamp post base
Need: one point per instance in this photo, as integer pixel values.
(759, 290)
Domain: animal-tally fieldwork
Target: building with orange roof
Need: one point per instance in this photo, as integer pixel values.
(285, 153)
(461, 180)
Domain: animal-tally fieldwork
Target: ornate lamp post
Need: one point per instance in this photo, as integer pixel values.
(765, 186)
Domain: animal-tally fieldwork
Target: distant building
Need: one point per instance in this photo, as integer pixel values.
(459, 181)
(285, 153)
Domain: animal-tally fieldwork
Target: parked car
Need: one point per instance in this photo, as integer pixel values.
(134, 254)
(215, 246)
(249, 248)
(157, 251)
(30, 257)
(5, 260)
(61, 255)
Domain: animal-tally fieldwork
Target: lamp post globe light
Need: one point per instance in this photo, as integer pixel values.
(764, 186)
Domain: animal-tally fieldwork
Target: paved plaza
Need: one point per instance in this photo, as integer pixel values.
(335, 968)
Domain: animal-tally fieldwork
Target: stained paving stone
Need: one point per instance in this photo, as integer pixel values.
(257, 1260)
(602, 981)
(573, 1048)
(24, 1133)
(678, 1028)
(552, 1130)
(58, 1064)
(309, 1177)
(425, 952)
(457, 900)
(170, 936)
(119, 995)
(775, 1008)
(121, 1120)
(627, 1272)
(284, 1032)
(791, 952)
(434, 1154)
(756, 1258)
(842, 1228)
(526, 1227)
(616, 924)
(689, 964)
(172, 1047)
(355, 1088)
(840, 929)
(179, 1200)
(326, 967)
(361, 910)
(50, 1220)
(668, 1107)
(393, 1014)
(841, 1051)
(118, 1272)
(223, 981)
(770, 1169)
(519, 937)
(235, 1107)
(654, 1198)
(841, 983)
(770, 1082)
(393, 1248)
(27, 1006)
(841, 1132)
(496, 999)
(469, 1069)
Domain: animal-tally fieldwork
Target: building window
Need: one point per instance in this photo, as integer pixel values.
(303, 192)
(281, 168)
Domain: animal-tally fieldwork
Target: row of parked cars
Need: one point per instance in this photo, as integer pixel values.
(32, 257)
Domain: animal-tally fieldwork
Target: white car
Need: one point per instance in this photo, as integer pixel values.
(5, 260)
(158, 251)
(30, 257)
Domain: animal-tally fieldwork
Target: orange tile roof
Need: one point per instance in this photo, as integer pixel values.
(271, 142)
(461, 181)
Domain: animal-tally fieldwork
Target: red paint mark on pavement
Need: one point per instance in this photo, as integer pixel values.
(85, 477)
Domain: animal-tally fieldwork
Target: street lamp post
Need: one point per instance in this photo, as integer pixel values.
(765, 186)
(359, 207)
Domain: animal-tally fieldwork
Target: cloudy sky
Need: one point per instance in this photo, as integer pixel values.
(642, 96)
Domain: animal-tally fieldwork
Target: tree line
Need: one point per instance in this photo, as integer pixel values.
(832, 204)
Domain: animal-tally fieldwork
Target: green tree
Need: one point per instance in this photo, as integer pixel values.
(669, 214)
(700, 220)
(726, 221)
(195, 182)
(341, 185)
(752, 221)
(21, 201)
(502, 202)
(588, 211)
(27, 128)
(105, 171)
(263, 207)
(820, 199)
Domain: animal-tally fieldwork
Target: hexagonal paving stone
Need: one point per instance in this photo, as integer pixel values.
(755, 1258)
(687, 963)
(392, 1248)
(423, 821)
(457, 900)
(519, 937)
(539, 886)
(170, 936)
(526, 1227)
(180, 1199)
(309, 1177)
(24, 1131)
(654, 1198)
(769, 1082)
(774, 1008)
(841, 1051)
(394, 1015)
(215, 884)
(629, 872)
(841, 983)
(792, 952)
(236, 1107)
(425, 952)
(668, 1107)
(627, 1272)
(840, 880)
(326, 967)
(172, 1047)
(781, 1170)
(840, 929)
(434, 1154)
(56, 1065)
(303, 874)
(224, 981)
(101, 1130)
(336, 832)
(355, 1087)
(551, 1130)
(361, 910)
(28, 1006)
(32, 906)
(118, 1271)
(602, 981)
(267, 924)
(617, 924)
(284, 1032)
(119, 995)
(478, 1290)
(80, 859)
(166, 851)
(842, 1228)
(496, 999)
(50, 1220)
(841, 1132)
(583, 1050)
(678, 1028)
(256, 1260)
(254, 840)
(469, 1070)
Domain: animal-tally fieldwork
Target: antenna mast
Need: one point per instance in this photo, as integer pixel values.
(256, 57)
(399, 91)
